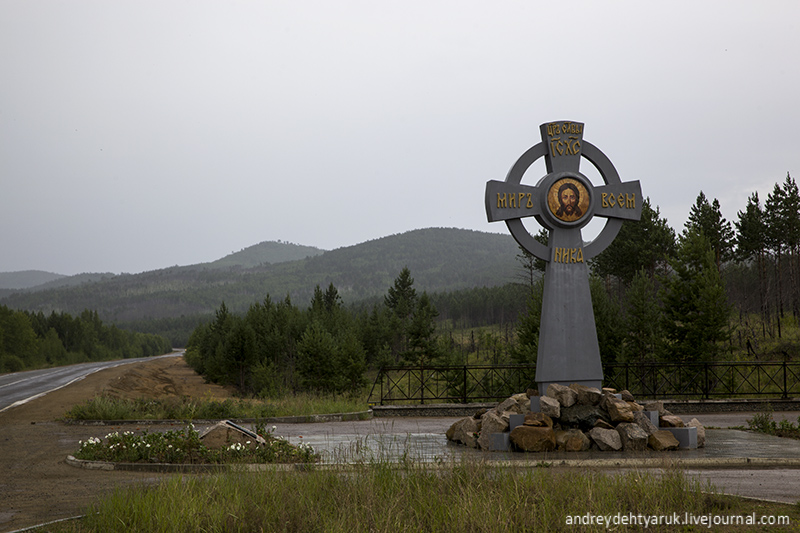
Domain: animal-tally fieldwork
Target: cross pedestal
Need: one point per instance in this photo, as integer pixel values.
(563, 202)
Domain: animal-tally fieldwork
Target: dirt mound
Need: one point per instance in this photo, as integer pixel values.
(162, 379)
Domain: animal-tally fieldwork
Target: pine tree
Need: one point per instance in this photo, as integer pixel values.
(422, 344)
(643, 333)
(776, 230)
(608, 322)
(644, 244)
(706, 218)
(751, 244)
(317, 360)
(402, 297)
(696, 309)
(401, 301)
(526, 348)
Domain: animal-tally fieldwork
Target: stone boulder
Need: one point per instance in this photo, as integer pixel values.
(656, 405)
(602, 424)
(549, 406)
(225, 433)
(663, 440)
(635, 406)
(465, 431)
(565, 396)
(670, 421)
(519, 404)
(586, 395)
(643, 421)
(618, 410)
(627, 396)
(539, 420)
(633, 437)
(701, 432)
(583, 416)
(572, 440)
(533, 439)
(606, 439)
(491, 422)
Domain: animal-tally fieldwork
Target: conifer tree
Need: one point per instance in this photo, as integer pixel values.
(401, 300)
(643, 333)
(696, 309)
(751, 245)
(644, 244)
(707, 218)
(526, 348)
(422, 344)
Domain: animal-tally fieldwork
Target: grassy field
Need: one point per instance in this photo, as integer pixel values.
(112, 408)
(463, 496)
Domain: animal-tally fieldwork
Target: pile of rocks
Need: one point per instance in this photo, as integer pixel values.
(576, 418)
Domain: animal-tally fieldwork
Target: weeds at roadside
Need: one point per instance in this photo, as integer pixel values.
(106, 407)
(764, 422)
(457, 496)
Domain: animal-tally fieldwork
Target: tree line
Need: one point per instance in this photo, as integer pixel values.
(716, 289)
(277, 347)
(35, 340)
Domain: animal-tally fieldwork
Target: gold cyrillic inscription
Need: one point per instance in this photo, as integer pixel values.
(567, 255)
(623, 201)
(515, 200)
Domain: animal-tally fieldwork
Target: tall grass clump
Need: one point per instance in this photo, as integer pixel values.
(106, 407)
(462, 496)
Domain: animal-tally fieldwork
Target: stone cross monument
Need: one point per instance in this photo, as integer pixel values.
(564, 201)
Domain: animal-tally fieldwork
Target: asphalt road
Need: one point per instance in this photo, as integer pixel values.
(21, 387)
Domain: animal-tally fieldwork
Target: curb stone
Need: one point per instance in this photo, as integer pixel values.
(168, 468)
(652, 462)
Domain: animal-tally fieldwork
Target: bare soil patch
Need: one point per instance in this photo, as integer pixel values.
(36, 484)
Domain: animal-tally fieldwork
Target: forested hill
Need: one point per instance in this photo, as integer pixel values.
(264, 252)
(439, 260)
(26, 279)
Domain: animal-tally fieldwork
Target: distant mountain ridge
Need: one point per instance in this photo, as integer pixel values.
(440, 259)
(25, 279)
(267, 252)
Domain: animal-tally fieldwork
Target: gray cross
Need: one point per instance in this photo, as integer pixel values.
(563, 202)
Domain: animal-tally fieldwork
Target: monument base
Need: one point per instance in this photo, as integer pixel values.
(542, 385)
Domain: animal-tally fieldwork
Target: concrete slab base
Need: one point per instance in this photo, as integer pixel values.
(535, 405)
(515, 420)
(499, 442)
(687, 436)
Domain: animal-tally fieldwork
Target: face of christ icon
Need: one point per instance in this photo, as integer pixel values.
(568, 200)
(568, 197)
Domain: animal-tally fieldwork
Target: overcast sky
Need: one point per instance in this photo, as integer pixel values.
(136, 135)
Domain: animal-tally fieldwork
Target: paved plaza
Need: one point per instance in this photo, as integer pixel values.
(735, 461)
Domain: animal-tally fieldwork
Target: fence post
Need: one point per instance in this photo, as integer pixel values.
(785, 382)
(655, 381)
(627, 380)
(465, 385)
(705, 380)
(421, 385)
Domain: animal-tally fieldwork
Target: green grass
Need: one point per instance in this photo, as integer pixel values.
(186, 408)
(463, 496)
(764, 422)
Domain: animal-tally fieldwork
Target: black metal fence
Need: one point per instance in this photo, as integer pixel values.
(471, 383)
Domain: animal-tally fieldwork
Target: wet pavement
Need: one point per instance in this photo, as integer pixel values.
(734, 461)
(423, 439)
